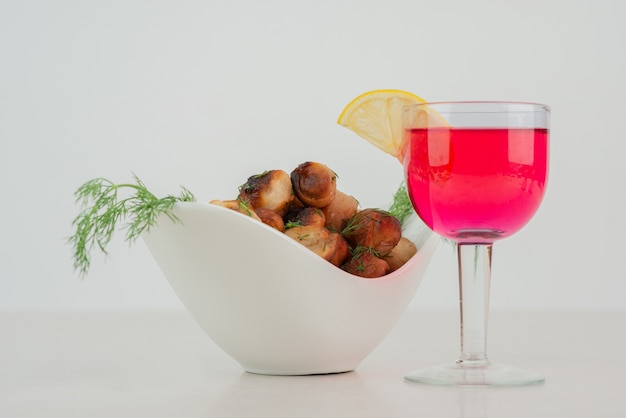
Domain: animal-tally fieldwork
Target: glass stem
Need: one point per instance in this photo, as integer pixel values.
(474, 282)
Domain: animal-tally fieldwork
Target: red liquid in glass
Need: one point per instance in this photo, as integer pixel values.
(476, 185)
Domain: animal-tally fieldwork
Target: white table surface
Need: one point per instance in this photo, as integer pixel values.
(160, 364)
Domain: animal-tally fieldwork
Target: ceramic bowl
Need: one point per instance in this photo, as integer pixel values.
(270, 303)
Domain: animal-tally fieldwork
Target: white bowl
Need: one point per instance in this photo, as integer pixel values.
(270, 303)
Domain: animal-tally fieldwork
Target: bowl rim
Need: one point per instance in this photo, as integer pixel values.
(183, 206)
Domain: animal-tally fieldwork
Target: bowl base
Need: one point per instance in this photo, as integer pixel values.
(294, 372)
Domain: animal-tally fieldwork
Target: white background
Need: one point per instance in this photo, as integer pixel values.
(205, 93)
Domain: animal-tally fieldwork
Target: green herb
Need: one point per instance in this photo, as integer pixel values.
(103, 209)
(351, 226)
(243, 204)
(358, 254)
(361, 249)
(356, 222)
(401, 206)
(292, 224)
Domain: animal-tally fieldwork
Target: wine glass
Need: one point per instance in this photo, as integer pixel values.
(476, 173)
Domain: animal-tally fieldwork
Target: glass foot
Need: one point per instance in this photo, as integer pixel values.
(490, 375)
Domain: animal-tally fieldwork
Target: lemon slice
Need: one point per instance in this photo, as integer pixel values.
(376, 116)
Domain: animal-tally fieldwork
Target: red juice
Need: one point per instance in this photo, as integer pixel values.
(476, 185)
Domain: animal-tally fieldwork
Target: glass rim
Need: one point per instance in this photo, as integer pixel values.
(543, 106)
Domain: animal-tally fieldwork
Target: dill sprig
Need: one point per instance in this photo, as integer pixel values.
(292, 224)
(401, 206)
(103, 208)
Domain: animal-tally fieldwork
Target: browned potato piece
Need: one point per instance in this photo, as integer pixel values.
(271, 218)
(400, 254)
(270, 190)
(308, 216)
(339, 211)
(375, 229)
(315, 238)
(314, 184)
(237, 206)
(366, 264)
(295, 207)
(342, 251)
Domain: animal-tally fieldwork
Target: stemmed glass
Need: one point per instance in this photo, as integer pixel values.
(476, 173)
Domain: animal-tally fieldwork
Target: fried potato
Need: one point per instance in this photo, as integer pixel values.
(375, 229)
(315, 238)
(400, 254)
(308, 208)
(366, 264)
(237, 206)
(339, 211)
(314, 184)
(308, 216)
(342, 249)
(270, 190)
(271, 218)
